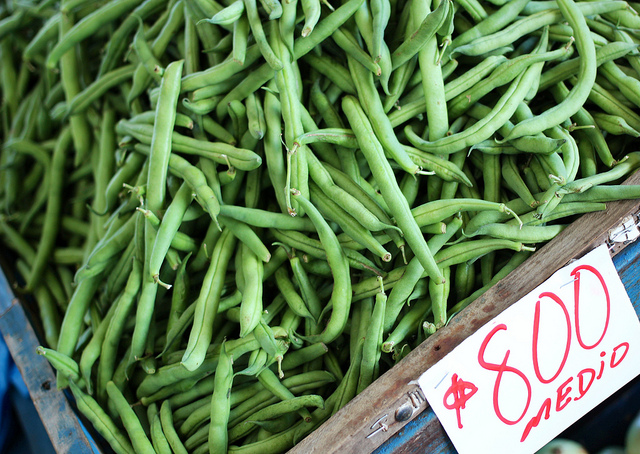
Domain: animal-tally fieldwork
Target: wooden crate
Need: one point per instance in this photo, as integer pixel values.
(367, 423)
(53, 406)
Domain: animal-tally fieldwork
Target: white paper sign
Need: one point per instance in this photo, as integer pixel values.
(540, 365)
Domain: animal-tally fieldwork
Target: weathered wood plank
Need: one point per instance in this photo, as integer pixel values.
(59, 420)
(351, 428)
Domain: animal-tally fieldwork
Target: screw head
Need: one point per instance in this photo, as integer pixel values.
(404, 412)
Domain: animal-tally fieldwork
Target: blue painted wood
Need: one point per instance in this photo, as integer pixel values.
(59, 419)
(437, 440)
(595, 430)
(626, 262)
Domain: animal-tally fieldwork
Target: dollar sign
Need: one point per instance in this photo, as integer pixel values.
(461, 391)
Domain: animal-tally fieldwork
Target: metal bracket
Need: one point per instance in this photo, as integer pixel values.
(625, 233)
(379, 426)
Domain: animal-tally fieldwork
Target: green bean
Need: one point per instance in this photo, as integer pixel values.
(130, 421)
(93, 349)
(312, 11)
(54, 206)
(623, 167)
(357, 192)
(101, 421)
(432, 80)
(413, 272)
(527, 233)
(158, 439)
(217, 151)
(275, 348)
(88, 26)
(348, 80)
(227, 15)
(72, 87)
(324, 151)
(103, 170)
(491, 24)
(341, 294)
(309, 294)
(568, 68)
(169, 228)
(531, 23)
(614, 124)
(503, 74)
(141, 77)
(273, 411)
(207, 303)
(322, 176)
(485, 128)
(439, 296)
(464, 280)
(118, 43)
(48, 32)
(371, 349)
(584, 119)
(581, 90)
(407, 324)
(291, 296)
(348, 223)
(24, 249)
(588, 163)
(297, 173)
(380, 124)
(273, 148)
(106, 250)
(146, 302)
(115, 328)
(472, 250)
(511, 175)
(47, 308)
(380, 12)
(474, 9)
(337, 136)
(251, 305)
(145, 55)
(427, 29)
(563, 210)
(62, 363)
(517, 259)
(607, 102)
(443, 168)
(400, 78)
(255, 116)
(278, 389)
(161, 138)
(624, 18)
(331, 69)
(254, 397)
(175, 372)
(166, 419)
(220, 403)
(389, 188)
(259, 35)
(248, 237)
(439, 210)
(325, 28)
(348, 43)
(181, 241)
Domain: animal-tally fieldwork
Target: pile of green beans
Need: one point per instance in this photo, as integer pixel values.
(234, 216)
